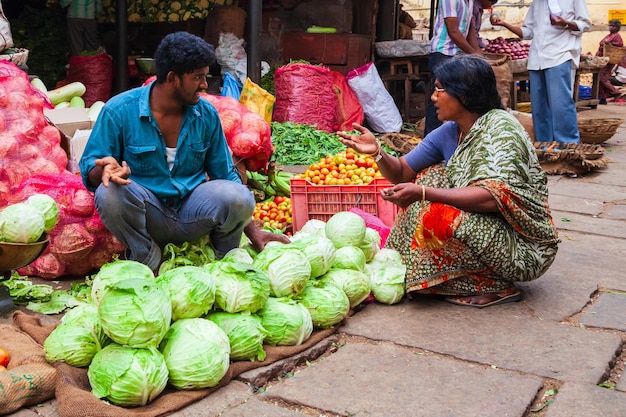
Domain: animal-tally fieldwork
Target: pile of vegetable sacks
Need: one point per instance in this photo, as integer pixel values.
(186, 326)
(32, 161)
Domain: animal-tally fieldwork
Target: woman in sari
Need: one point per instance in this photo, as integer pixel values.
(475, 216)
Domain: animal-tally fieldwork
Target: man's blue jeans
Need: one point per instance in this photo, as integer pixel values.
(145, 224)
(552, 104)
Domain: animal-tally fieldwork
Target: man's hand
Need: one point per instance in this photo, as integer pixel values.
(260, 238)
(112, 171)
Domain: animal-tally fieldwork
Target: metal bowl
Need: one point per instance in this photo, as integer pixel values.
(146, 65)
(18, 255)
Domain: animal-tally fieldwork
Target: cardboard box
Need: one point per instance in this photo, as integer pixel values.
(69, 119)
(78, 143)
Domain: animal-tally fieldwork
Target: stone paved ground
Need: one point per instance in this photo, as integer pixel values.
(562, 345)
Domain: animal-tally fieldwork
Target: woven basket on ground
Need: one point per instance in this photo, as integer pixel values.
(614, 53)
(570, 158)
(400, 142)
(18, 56)
(596, 131)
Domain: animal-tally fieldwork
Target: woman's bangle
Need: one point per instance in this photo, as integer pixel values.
(378, 155)
(423, 194)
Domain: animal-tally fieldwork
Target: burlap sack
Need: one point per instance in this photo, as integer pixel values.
(30, 379)
(504, 76)
(73, 392)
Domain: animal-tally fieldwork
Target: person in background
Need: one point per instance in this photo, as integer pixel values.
(453, 33)
(82, 24)
(159, 164)
(475, 216)
(606, 88)
(556, 28)
(477, 18)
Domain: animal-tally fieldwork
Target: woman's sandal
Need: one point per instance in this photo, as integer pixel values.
(502, 299)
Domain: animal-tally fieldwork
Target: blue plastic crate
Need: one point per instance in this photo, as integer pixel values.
(584, 92)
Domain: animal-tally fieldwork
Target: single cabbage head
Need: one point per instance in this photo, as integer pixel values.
(371, 244)
(196, 352)
(135, 312)
(355, 284)
(345, 229)
(47, 207)
(387, 283)
(245, 333)
(21, 223)
(287, 322)
(314, 227)
(191, 289)
(319, 250)
(126, 376)
(239, 255)
(350, 257)
(238, 286)
(287, 268)
(384, 257)
(327, 303)
(116, 271)
(78, 338)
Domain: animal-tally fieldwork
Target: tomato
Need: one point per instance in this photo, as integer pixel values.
(279, 199)
(4, 357)
(2, 369)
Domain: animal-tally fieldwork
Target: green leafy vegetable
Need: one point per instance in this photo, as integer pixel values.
(302, 144)
(245, 332)
(127, 376)
(77, 339)
(288, 322)
(191, 289)
(135, 312)
(196, 253)
(196, 352)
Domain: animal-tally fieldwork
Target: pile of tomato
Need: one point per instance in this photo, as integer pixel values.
(274, 213)
(4, 359)
(345, 168)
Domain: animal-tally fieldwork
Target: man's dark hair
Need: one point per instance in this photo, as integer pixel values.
(182, 53)
(471, 80)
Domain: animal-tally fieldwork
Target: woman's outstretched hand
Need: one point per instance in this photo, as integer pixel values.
(363, 142)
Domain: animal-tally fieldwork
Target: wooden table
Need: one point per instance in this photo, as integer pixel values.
(592, 102)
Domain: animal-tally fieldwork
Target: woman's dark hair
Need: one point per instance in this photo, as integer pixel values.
(182, 53)
(471, 80)
(616, 23)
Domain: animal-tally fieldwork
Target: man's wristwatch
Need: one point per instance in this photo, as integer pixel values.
(566, 26)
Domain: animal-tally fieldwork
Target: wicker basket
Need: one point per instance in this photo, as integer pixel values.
(18, 56)
(596, 131)
(400, 142)
(615, 53)
(570, 158)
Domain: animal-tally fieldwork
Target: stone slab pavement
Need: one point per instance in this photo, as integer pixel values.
(557, 353)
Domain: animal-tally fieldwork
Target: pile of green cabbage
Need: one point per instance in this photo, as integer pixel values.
(185, 326)
(27, 221)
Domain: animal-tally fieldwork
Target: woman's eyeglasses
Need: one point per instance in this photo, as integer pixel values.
(439, 90)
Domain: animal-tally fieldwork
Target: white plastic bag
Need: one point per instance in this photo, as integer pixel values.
(229, 51)
(6, 38)
(381, 112)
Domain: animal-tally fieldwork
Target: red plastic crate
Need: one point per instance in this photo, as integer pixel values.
(309, 201)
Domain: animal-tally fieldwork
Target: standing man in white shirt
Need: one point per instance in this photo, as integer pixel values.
(556, 28)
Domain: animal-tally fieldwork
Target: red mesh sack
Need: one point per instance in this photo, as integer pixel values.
(375, 223)
(96, 73)
(28, 144)
(79, 242)
(349, 109)
(305, 95)
(248, 134)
